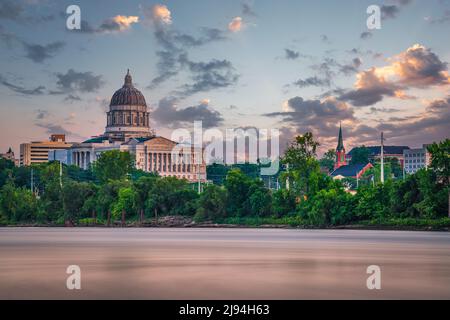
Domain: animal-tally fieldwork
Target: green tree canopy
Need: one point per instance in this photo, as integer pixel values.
(113, 165)
(360, 155)
(328, 159)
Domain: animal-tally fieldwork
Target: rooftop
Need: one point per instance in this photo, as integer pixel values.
(350, 170)
(376, 150)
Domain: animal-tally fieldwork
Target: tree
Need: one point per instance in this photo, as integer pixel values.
(17, 204)
(440, 160)
(260, 199)
(328, 207)
(6, 167)
(113, 165)
(304, 169)
(108, 194)
(237, 185)
(211, 204)
(283, 202)
(328, 160)
(440, 164)
(124, 204)
(74, 195)
(170, 195)
(142, 187)
(360, 155)
(396, 168)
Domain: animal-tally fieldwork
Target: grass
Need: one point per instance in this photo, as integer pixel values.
(441, 223)
(292, 221)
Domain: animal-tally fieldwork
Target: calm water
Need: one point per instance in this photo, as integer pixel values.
(222, 263)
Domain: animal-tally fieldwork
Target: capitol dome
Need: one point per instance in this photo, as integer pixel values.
(128, 94)
(128, 115)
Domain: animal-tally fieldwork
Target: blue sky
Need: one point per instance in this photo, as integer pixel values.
(291, 65)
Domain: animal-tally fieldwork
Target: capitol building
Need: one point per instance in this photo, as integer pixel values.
(128, 129)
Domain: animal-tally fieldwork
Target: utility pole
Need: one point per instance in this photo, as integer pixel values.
(287, 178)
(32, 181)
(60, 173)
(382, 159)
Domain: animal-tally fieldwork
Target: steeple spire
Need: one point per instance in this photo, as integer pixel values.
(340, 151)
(128, 80)
(340, 145)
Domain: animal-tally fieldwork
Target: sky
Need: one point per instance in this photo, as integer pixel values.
(292, 65)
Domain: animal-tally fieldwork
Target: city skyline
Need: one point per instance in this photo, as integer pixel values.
(297, 66)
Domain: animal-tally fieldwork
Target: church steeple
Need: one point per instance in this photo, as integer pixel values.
(340, 145)
(340, 151)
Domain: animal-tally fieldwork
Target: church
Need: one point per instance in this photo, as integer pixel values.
(128, 129)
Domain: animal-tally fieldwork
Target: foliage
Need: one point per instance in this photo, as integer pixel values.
(327, 161)
(17, 204)
(113, 165)
(313, 199)
(440, 160)
(360, 155)
(211, 204)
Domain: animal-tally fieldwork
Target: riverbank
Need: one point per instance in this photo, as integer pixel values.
(293, 222)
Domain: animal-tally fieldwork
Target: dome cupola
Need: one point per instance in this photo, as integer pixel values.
(128, 115)
(128, 94)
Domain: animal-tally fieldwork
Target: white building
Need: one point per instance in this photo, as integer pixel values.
(128, 129)
(416, 159)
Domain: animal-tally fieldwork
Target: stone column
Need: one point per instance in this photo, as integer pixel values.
(169, 162)
(83, 159)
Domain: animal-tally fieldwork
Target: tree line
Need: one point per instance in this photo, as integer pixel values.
(113, 191)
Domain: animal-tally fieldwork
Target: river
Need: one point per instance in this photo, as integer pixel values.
(190, 263)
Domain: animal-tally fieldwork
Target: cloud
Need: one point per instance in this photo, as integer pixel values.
(54, 129)
(315, 115)
(207, 35)
(236, 24)
(370, 89)
(366, 35)
(207, 76)
(417, 67)
(7, 37)
(117, 23)
(324, 38)
(427, 127)
(161, 14)
(291, 54)
(38, 53)
(312, 82)
(78, 81)
(247, 10)
(351, 67)
(14, 10)
(168, 114)
(391, 11)
(445, 18)
(10, 10)
(173, 55)
(72, 98)
(42, 114)
(21, 89)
